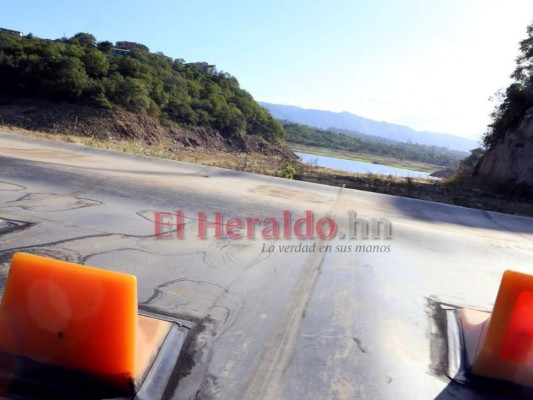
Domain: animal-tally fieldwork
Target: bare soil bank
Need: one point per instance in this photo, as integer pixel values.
(99, 124)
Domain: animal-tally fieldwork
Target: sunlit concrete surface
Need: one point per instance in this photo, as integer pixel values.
(348, 322)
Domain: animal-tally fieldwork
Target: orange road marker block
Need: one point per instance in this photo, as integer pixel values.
(78, 317)
(505, 347)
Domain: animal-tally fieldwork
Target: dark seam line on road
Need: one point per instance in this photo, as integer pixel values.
(266, 382)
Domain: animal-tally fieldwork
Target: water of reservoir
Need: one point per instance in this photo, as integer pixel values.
(359, 167)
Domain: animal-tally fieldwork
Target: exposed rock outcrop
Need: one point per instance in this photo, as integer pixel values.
(510, 160)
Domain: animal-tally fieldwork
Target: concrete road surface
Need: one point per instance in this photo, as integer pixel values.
(306, 315)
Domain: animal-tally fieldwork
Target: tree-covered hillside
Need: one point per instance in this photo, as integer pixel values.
(82, 70)
(306, 135)
(517, 98)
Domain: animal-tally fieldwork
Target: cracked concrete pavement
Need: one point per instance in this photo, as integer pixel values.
(342, 322)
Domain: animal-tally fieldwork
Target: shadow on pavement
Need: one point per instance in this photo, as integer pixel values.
(443, 213)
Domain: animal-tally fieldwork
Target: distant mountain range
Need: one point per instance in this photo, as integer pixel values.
(346, 122)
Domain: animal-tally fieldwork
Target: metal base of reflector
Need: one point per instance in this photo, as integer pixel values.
(462, 339)
(24, 378)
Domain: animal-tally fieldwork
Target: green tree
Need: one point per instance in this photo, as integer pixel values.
(83, 39)
(517, 98)
(128, 66)
(105, 46)
(133, 94)
(67, 79)
(96, 63)
(524, 67)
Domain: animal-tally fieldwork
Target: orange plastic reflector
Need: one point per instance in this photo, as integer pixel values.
(71, 315)
(518, 339)
(505, 349)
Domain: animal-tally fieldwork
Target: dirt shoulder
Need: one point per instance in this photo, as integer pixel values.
(461, 190)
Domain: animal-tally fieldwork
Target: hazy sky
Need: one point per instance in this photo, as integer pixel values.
(428, 64)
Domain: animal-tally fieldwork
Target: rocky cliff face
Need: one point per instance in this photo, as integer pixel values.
(511, 159)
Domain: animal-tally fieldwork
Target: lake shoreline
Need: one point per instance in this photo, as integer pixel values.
(367, 157)
(359, 167)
